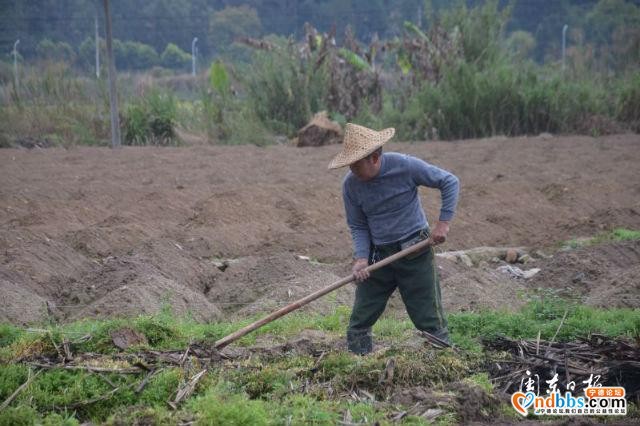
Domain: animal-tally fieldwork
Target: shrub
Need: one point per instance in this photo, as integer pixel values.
(174, 57)
(151, 120)
(140, 56)
(59, 51)
(217, 102)
(128, 54)
(284, 92)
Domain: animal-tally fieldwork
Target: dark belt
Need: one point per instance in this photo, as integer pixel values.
(376, 251)
(406, 242)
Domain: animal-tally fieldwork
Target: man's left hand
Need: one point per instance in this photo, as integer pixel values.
(439, 234)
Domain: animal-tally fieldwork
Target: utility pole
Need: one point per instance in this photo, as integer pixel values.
(193, 56)
(15, 63)
(97, 48)
(113, 97)
(564, 44)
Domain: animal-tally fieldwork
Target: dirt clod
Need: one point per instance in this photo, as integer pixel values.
(511, 256)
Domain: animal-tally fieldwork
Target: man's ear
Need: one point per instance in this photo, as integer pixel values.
(375, 157)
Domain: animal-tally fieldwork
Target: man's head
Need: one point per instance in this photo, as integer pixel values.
(368, 167)
(359, 146)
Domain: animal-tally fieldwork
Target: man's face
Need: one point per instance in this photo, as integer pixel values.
(367, 168)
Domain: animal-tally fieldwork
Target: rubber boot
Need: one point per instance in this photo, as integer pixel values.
(360, 341)
(442, 334)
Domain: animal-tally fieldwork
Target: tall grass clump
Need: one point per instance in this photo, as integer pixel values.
(286, 91)
(151, 120)
(628, 102)
(52, 104)
(228, 118)
(501, 99)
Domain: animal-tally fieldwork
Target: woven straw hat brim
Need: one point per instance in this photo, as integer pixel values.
(357, 146)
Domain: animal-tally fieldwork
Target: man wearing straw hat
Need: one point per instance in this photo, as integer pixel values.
(384, 213)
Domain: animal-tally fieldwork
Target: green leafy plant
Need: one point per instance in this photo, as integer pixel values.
(151, 120)
(284, 91)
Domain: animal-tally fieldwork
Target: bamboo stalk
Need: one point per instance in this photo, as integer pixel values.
(316, 295)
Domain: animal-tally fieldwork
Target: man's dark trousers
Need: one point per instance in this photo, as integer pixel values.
(416, 278)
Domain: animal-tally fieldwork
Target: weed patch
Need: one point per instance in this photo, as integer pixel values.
(285, 387)
(618, 234)
(213, 408)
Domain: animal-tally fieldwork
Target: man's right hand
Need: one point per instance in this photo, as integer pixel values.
(359, 270)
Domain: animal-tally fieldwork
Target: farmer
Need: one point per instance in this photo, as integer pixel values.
(384, 213)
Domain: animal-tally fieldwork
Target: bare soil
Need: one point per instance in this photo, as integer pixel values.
(93, 231)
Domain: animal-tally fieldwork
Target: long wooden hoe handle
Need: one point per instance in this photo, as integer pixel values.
(313, 296)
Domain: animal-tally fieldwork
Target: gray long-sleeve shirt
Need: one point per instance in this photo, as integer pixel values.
(387, 208)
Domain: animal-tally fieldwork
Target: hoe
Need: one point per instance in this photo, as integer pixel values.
(316, 295)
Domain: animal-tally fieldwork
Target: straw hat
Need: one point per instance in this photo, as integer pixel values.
(359, 142)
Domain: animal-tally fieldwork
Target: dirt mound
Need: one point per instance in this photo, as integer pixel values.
(106, 232)
(268, 283)
(482, 287)
(257, 284)
(78, 282)
(605, 275)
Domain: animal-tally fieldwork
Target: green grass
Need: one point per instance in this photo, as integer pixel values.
(617, 235)
(622, 234)
(268, 389)
(544, 316)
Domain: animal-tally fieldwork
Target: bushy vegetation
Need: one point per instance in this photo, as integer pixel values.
(503, 99)
(286, 92)
(150, 120)
(267, 389)
(53, 106)
(462, 75)
(174, 57)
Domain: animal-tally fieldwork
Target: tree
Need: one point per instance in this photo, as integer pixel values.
(174, 57)
(87, 52)
(59, 51)
(140, 56)
(230, 23)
